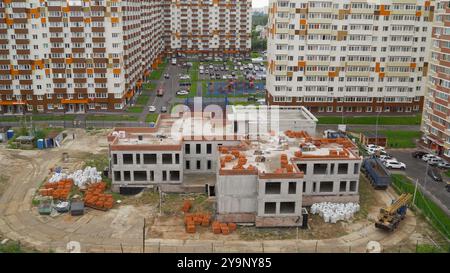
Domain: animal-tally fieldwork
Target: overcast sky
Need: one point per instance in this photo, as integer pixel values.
(260, 3)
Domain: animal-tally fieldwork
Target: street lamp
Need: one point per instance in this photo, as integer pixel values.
(376, 129)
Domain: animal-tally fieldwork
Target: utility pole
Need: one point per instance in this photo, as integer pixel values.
(143, 238)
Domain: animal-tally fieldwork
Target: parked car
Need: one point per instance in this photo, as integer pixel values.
(182, 93)
(163, 109)
(166, 76)
(151, 109)
(211, 66)
(428, 157)
(201, 67)
(201, 71)
(174, 61)
(434, 161)
(434, 174)
(444, 165)
(185, 77)
(394, 164)
(386, 157)
(418, 154)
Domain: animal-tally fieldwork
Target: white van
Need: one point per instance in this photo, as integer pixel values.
(174, 61)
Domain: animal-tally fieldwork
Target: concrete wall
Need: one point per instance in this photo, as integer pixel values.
(203, 156)
(310, 178)
(236, 194)
(157, 168)
(284, 196)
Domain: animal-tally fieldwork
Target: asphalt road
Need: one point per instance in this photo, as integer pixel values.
(170, 87)
(416, 169)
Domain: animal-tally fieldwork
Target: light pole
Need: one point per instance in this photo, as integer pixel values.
(376, 129)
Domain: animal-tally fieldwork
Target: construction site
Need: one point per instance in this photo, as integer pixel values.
(204, 219)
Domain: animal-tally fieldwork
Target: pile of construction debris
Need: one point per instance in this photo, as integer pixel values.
(333, 212)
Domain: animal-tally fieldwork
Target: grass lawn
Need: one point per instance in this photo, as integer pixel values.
(151, 117)
(135, 109)
(142, 100)
(436, 216)
(112, 118)
(156, 74)
(447, 173)
(255, 55)
(149, 86)
(401, 139)
(372, 120)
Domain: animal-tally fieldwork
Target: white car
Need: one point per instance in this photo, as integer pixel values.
(394, 164)
(435, 161)
(174, 61)
(428, 157)
(182, 93)
(185, 77)
(242, 68)
(384, 158)
(201, 71)
(201, 67)
(151, 109)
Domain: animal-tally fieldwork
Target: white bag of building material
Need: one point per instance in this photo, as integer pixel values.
(333, 212)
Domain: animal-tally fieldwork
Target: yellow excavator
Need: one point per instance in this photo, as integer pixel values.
(390, 217)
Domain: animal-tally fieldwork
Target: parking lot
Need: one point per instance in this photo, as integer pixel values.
(417, 169)
(231, 70)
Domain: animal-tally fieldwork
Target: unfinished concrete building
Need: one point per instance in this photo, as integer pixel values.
(264, 180)
(267, 182)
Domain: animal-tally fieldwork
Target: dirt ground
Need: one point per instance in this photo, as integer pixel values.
(24, 171)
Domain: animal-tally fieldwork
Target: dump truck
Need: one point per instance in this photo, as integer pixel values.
(378, 175)
(391, 216)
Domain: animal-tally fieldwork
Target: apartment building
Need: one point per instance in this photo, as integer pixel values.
(210, 27)
(349, 56)
(74, 56)
(436, 114)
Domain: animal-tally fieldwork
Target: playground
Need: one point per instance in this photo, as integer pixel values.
(234, 88)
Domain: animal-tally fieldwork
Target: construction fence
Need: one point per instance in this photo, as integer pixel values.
(436, 216)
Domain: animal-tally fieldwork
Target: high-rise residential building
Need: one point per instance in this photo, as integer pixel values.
(210, 27)
(84, 55)
(349, 56)
(436, 115)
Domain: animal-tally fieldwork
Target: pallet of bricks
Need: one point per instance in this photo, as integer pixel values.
(224, 228)
(58, 190)
(192, 220)
(95, 197)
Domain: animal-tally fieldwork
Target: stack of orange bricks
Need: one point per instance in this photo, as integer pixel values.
(95, 197)
(186, 206)
(191, 220)
(59, 190)
(224, 228)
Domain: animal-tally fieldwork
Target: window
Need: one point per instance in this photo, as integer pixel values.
(126, 176)
(352, 185)
(270, 208)
(287, 207)
(177, 158)
(343, 186)
(209, 164)
(115, 159)
(314, 187)
(127, 159)
(140, 176)
(187, 148)
(198, 148)
(302, 168)
(332, 168)
(343, 168)
(149, 158)
(326, 186)
(273, 188)
(292, 188)
(164, 175)
(174, 175)
(117, 176)
(356, 168)
(304, 187)
(138, 159)
(188, 165)
(320, 168)
(199, 164)
(208, 148)
(167, 158)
